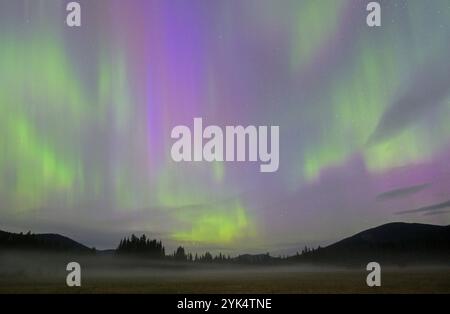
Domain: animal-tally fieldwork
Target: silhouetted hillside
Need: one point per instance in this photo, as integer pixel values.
(49, 242)
(393, 243)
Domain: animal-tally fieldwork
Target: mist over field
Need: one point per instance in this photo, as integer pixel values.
(43, 272)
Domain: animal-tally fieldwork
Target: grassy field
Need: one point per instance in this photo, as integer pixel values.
(255, 280)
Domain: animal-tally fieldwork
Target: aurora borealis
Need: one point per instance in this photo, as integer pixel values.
(87, 113)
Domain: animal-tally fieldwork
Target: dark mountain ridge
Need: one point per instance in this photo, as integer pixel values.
(393, 243)
(398, 234)
(45, 241)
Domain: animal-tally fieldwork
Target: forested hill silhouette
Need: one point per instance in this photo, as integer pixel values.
(42, 242)
(393, 243)
(398, 243)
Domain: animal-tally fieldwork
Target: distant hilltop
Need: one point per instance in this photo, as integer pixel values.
(393, 243)
(46, 242)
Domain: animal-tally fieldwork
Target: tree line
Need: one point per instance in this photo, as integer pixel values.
(143, 246)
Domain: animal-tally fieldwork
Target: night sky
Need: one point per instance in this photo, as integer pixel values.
(87, 113)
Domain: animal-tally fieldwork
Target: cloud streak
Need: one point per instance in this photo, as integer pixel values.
(401, 192)
(426, 91)
(430, 208)
(440, 212)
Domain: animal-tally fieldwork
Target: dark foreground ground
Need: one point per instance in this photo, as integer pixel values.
(47, 274)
